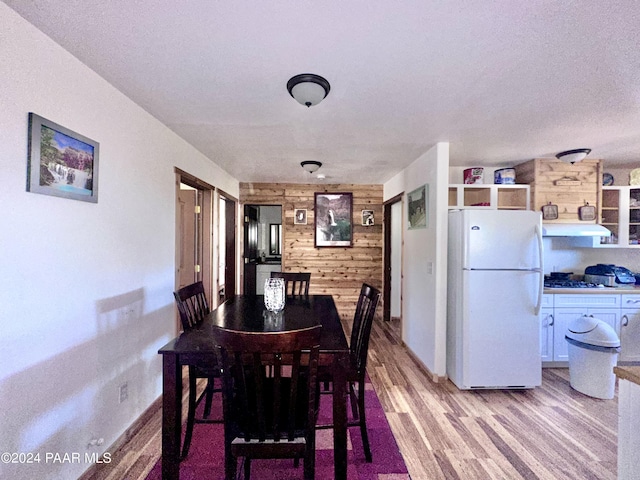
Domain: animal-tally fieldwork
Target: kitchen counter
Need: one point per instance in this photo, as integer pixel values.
(631, 373)
(604, 290)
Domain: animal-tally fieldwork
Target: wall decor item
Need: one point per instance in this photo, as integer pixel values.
(367, 218)
(418, 207)
(587, 212)
(300, 216)
(61, 162)
(333, 219)
(549, 212)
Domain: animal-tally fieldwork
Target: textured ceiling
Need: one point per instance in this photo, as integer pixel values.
(503, 81)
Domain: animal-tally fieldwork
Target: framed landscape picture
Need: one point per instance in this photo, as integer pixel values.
(61, 162)
(333, 220)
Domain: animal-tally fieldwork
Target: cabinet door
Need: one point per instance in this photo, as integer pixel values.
(562, 318)
(630, 335)
(608, 315)
(546, 334)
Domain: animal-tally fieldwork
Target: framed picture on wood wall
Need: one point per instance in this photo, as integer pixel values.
(61, 162)
(333, 219)
(367, 218)
(300, 216)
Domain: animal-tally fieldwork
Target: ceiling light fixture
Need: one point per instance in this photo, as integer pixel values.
(573, 156)
(310, 165)
(308, 89)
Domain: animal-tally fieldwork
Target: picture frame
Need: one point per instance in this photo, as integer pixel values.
(333, 219)
(418, 211)
(368, 219)
(61, 162)
(300, 216)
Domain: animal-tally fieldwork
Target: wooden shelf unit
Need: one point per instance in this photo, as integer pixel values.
(489, 196)
(620, 213)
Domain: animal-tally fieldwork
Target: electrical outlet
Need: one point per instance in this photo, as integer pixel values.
(124, 392)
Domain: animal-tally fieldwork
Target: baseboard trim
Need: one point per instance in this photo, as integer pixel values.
(422, 367)
(122, 440)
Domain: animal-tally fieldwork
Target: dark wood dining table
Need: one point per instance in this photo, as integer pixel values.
(248, 313)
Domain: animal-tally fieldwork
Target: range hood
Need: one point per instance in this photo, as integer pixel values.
(574, 230)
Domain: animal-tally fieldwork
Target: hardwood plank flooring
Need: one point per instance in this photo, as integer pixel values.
(548, 433)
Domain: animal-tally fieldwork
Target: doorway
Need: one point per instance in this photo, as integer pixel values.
(392, 291)
(262, 245)
(197, 209)
(227, 216)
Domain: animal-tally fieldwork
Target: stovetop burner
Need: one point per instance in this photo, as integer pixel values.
(561, 283)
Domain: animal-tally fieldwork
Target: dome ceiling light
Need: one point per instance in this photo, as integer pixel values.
(573, 156)
(310, 165)
(308, 89)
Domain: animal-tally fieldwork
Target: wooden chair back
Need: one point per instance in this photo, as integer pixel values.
(362, 322)
(269, 395)
(192, 305)
(296, 284)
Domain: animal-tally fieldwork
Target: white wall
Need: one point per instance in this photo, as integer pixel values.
(85, 289)
(396, 259)
(424, 296)
(561, 254)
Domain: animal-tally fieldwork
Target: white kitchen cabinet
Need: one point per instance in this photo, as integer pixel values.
(263, 271)
(489, 196)
(546, 328)
(621, 214)
(567, 308)
(546, 334)
(629, 329)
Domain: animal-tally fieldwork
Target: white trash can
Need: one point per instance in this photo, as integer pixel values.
(593, 352)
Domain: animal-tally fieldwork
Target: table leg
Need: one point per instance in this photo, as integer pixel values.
(339, 421)
(171, 416)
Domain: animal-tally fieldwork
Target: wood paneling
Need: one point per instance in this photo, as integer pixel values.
(546, 177)
(336, 271)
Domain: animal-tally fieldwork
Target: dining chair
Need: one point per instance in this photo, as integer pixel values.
(269, 415)
(193, 307)
(356, 368)
(296, 284)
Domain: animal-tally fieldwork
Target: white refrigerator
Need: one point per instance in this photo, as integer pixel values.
(495, 283)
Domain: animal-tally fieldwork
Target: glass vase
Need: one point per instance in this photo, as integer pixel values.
(274, 297)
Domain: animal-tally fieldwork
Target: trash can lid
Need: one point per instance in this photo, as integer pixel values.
(593, 331)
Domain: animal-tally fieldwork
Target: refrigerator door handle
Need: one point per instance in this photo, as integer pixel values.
(540, 269)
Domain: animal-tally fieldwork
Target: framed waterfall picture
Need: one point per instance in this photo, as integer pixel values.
(333, 220)
(418, 207)
(61, 162)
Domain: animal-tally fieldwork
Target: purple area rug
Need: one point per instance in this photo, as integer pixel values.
(206, 455)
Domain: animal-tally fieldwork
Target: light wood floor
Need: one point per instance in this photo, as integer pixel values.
(551, 432)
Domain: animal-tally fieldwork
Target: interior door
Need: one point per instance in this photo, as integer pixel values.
(188, 228)
(250, 248)
(230, 248)
(392, 259)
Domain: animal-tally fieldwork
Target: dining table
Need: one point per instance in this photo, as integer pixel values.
(248, 313)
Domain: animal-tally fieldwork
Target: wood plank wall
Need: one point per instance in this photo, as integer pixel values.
(338, 271)
(547, 178)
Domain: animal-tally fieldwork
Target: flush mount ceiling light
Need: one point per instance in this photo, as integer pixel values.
(310, 165)
(573, 156)
(308, 89)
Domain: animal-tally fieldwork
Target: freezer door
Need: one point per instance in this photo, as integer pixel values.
(500, 330)
(501, 239)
